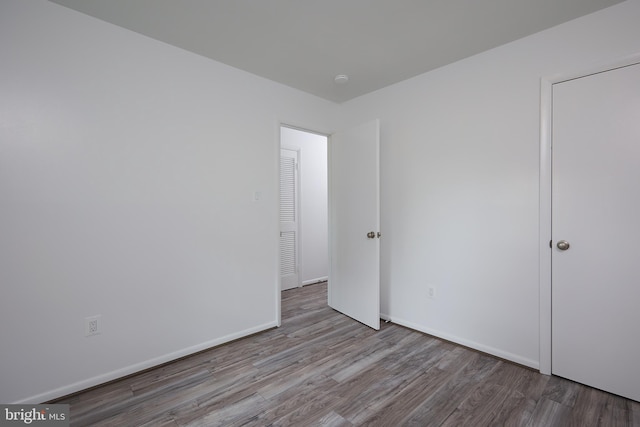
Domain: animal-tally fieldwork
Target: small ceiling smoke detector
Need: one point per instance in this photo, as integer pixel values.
(341, 79)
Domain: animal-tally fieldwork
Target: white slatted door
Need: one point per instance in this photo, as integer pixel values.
(289, 277)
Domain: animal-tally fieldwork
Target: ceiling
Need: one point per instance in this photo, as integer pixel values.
(306, 43)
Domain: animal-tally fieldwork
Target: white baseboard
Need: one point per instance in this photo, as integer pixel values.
(137, 367)
(467, 343)
(312, 281)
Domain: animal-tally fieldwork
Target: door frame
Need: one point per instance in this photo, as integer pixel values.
(545, 226)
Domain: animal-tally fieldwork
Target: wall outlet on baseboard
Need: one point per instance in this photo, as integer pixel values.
(92, 325)
(431, 292)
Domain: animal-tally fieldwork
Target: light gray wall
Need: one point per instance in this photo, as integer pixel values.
(127, 170)
(314, 256)
(460, 170)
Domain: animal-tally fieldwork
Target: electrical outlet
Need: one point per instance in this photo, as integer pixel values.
(92, 325)
(431, 292)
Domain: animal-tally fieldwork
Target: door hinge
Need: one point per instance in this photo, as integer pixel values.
(550, 244)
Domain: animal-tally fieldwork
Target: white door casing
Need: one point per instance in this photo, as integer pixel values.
(289, 220)
(354, 211)
(595, 284)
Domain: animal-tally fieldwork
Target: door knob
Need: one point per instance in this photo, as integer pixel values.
(563, 245)
(371, 235)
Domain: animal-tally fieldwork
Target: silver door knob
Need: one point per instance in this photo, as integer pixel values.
(371, 234)
(563, 245)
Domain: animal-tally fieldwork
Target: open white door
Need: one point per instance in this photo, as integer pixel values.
(354, 223)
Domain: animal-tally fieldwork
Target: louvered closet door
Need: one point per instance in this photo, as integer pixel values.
(289, 219)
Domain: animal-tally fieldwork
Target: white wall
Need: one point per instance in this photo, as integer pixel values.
(314, 259)
(127, 169)
(460, 170)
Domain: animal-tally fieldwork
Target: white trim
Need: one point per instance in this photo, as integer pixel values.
(302, 129)
(330, 217)
(137, 367)
(467, 343)
(545, 225)
(596, 68)
(278, 285)
(314, 281)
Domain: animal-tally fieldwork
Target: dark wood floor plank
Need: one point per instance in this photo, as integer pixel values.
(98, 399)
(289, 401)
(458, 358)
(598, 408)
(360, 359)
(227, 414)
(356, 393)
(299, 394)
(562, 391)
(549, 413)
(149, 405)
(420, 357)
(480, 407)
(530, 383)
(145, 385)
(472, 368)
(396, 410)
(635, 413)
(526, 387)
(517, 410)
(302, 348)
(323, 368)
(333, 420)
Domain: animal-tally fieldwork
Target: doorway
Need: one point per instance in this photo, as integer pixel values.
(352, 220)
(304, 198)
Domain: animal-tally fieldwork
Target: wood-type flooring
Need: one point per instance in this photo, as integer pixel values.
(321, 368)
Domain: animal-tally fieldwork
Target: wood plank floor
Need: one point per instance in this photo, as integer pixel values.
(321, 368)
